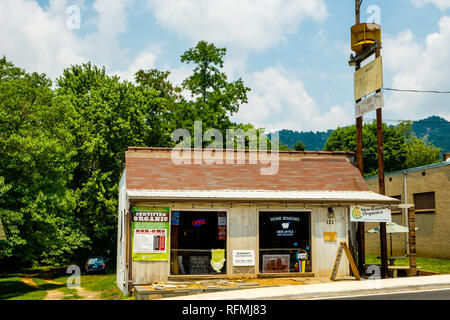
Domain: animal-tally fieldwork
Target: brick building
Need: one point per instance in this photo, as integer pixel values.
(213, 218)
(427, 187)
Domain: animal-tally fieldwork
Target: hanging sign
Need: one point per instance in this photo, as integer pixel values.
(243, 258)
(370, 104)
(368, 79)
(150, 228)
(370, 214)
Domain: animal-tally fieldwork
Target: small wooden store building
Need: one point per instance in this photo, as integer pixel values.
(212, 219)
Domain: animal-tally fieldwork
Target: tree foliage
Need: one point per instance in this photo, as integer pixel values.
(36, 203)
(402, 149)
(299, 146)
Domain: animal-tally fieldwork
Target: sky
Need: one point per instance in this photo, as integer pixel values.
(293, 54)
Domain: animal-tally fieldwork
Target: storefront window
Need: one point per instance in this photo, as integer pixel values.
(198, 242)
(284, 242)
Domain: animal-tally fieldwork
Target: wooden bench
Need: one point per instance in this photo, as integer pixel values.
(396, 268)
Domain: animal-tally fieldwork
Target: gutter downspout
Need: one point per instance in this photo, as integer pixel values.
(405, 211)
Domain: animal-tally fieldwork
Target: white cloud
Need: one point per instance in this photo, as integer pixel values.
(278, 100)
(441, 4)
(38, 39)
(145, 60)
(250, 24)
(420, 66)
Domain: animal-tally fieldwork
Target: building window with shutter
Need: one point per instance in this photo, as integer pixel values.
(424, 202)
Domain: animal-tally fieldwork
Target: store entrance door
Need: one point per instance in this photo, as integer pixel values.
(198, 244)
(284, 242)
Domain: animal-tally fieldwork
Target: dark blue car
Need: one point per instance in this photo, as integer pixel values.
(96, 265)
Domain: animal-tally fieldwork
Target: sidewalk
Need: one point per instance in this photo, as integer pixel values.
(334, 289)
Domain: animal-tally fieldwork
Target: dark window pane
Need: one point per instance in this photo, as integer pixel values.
(424, 201)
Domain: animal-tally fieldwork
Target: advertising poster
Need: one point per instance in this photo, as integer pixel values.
(217, 259)
(222, 226)
(150, 233)
(276, 263)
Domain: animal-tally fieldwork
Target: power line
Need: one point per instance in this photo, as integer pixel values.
(415, 91)
(401, 120)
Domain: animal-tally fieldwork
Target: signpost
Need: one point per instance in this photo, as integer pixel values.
(368, 79)
(370, 104)
(366, 41)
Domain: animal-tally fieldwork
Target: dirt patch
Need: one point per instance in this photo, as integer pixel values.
(30, 282)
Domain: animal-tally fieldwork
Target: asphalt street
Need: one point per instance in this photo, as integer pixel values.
(439, 294)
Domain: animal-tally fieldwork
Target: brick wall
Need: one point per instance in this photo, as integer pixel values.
(433, 235)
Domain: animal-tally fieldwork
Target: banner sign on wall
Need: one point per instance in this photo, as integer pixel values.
(150, 228)
(370, 214)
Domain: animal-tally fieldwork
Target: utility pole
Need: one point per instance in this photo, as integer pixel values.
(381, 184)
(366, 41)
(359, 162)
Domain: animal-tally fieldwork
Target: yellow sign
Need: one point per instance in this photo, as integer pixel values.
(217, 259)
(368, 79)
(330, 236)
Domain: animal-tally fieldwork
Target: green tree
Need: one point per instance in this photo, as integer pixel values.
(109, 116)
(215, 98)
(36, 204)
(299, 146)
(399, 144)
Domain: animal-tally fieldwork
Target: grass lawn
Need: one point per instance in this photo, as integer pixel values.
(12, 286)
(441, 266)
(104, 284)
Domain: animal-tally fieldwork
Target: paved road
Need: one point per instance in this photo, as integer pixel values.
(441, 294)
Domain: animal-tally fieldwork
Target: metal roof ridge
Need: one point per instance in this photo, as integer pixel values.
(168, 149)
(428, 166)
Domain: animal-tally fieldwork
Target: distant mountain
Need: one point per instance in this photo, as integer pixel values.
(434, 129)
(314, 141)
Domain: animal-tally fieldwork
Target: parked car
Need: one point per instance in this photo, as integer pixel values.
(96, 264)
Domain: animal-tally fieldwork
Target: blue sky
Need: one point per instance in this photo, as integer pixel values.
(292, 53)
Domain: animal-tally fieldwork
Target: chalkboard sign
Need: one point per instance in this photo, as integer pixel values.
(199, 264)
(343, 247)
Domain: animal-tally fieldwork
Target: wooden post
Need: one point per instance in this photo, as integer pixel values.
(412, 242)
(129, 252)
(359, 162)
(381, 184)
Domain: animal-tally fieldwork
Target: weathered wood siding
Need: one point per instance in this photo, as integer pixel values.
(324, 253)
(242, 233)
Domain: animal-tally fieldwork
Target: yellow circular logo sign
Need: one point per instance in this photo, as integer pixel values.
(356, 213)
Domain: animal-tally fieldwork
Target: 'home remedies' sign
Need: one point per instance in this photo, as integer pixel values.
(150, 228)
(370, 214)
